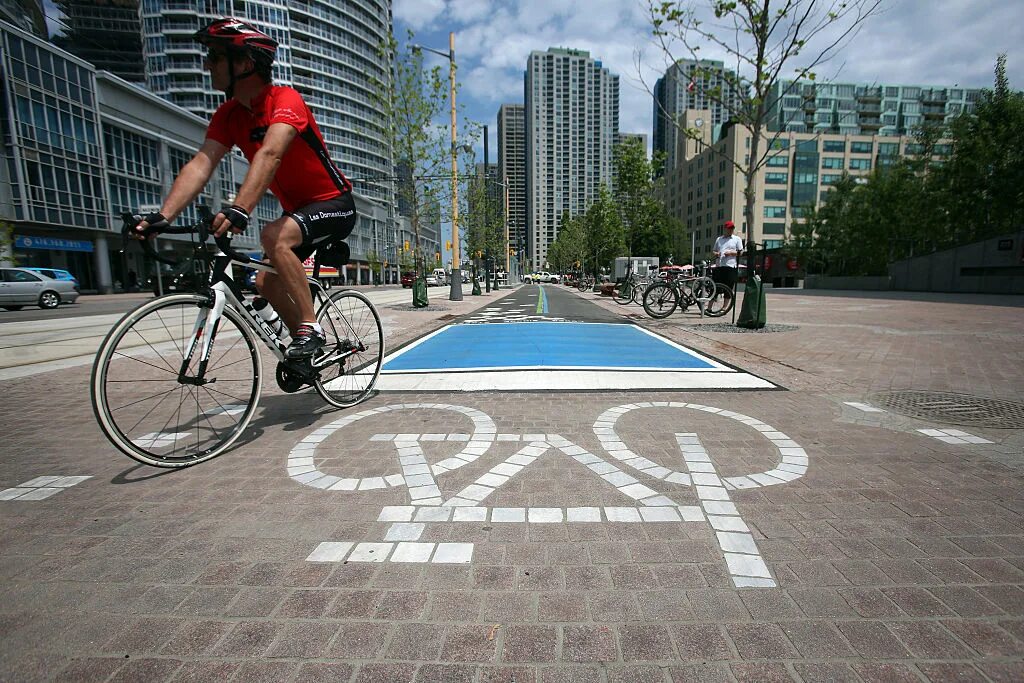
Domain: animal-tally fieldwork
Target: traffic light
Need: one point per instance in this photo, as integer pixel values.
(437, 254)
(406, 245)
(448, 245)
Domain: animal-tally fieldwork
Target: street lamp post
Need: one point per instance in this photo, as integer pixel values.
(455, 292)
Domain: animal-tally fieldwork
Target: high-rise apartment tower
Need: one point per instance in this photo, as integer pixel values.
(687, 84)
(512, 170)
(572, 118)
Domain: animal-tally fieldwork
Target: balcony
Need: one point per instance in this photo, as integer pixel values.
(869, 95)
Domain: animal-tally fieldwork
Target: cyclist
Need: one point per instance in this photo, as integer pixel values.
(276, 132)
(727, 249)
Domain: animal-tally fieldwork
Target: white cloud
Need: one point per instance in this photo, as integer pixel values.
(938, 42)
(417, 14)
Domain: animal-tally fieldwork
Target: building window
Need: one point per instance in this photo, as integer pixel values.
(888, 149)
(834, 146)
(778, 160)
(780, 143)
(832, 162)
(860, 164)
(774, 212)
(774, 229)
(831, 178)
(860, 147)
(776, 178)
(775, 195)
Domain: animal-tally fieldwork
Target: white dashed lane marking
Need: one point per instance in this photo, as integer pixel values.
(41, 487)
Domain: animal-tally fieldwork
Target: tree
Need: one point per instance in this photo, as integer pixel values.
(411, 102)
(375, 262)
(644, 217)
(7, 244)
(569, 248)
(602, 226)
(769, 41)
(983, 179)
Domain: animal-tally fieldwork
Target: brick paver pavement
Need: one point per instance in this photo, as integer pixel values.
(897, 556)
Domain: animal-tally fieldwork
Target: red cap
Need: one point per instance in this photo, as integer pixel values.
(728, 224)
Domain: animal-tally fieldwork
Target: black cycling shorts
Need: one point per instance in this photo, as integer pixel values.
(324, 223)
(725, 275)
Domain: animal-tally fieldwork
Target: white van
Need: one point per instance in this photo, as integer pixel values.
(440, 276)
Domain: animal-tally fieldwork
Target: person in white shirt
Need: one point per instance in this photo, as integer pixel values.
(727, 250)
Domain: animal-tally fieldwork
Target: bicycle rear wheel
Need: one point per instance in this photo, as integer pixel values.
(354, 349)
(660, 300)
(144, 389)
(721, 302)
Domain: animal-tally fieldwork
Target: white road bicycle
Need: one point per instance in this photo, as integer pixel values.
(177, 380)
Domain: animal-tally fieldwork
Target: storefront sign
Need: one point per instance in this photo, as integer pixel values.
(325, 271)
(54, 243)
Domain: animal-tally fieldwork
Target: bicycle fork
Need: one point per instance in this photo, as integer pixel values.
(203, 334)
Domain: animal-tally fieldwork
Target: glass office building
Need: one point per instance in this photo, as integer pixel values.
(81, 146)
(329, 52)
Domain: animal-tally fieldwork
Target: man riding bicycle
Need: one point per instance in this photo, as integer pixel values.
(264, 120)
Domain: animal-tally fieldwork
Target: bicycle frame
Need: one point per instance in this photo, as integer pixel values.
(226, 292)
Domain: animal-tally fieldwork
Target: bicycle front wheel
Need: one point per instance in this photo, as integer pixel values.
(660, 300)
(156, 401)
(355, 348)
(623, 294)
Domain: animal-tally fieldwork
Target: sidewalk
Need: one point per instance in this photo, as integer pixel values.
(893, 531)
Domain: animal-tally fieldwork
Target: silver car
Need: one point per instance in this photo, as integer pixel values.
(20, 287)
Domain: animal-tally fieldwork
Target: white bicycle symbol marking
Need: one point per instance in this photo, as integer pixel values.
(427, 504)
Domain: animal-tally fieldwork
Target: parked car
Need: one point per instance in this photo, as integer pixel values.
(178, 279)
(54, 273)
(432, 280)
(441, 276)
(408, 277)
(20, 287)
(544, 276)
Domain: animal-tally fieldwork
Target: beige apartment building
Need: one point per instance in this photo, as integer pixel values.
(704, 189)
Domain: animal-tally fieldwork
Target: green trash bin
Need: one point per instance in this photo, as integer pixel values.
(476, 286)
(754, 312)
(419, 293)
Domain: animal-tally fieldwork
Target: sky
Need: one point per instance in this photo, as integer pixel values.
(913, 42)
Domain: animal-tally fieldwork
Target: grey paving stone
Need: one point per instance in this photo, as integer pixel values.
(587, 643)
(358, 640)
(700, 642)
(529, 644)
(420, 642)
(470, 643)
(645, 642)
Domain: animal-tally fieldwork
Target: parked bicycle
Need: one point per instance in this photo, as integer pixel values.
(177, 380)
(585, 283)
(712, 299)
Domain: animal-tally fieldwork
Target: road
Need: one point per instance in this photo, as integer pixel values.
(547, 487)
(36, 341)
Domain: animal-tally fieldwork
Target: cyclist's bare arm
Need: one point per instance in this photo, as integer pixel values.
(261, 172)
(191, 180)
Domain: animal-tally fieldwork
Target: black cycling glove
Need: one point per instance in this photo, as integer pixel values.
(156, 220)
(237, 216)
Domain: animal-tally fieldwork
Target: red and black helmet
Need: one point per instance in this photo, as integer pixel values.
(238, 36)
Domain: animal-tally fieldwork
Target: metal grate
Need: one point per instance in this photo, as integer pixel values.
(957, 409)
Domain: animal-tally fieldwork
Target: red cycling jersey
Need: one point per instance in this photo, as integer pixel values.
(306, 173)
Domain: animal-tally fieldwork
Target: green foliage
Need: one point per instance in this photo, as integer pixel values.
(648, 228)
(924, 203)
